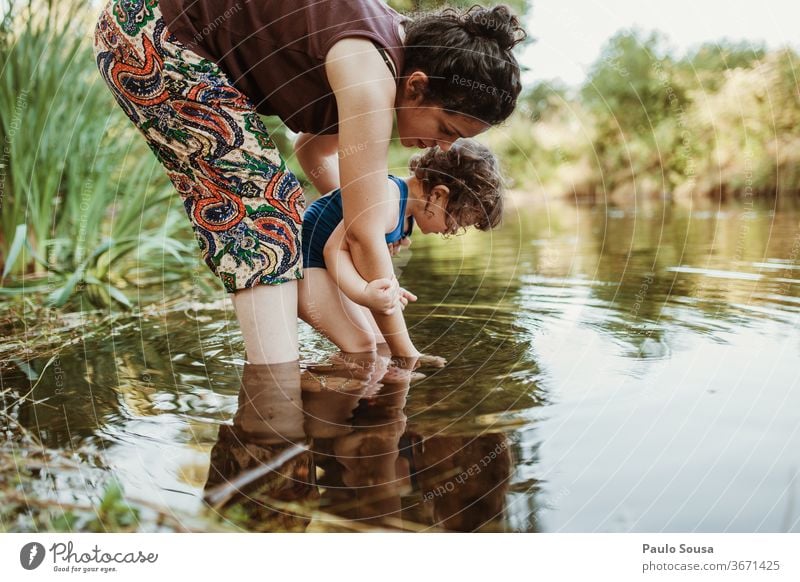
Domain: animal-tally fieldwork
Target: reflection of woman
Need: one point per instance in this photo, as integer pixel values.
(351, 415)
(247, 459)
(354, 413)
(337, 72)
(372, 471)
(263, 457)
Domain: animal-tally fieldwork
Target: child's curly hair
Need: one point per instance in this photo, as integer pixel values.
(472, 175)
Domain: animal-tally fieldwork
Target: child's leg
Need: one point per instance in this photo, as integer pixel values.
(323, 306)
(373, 325)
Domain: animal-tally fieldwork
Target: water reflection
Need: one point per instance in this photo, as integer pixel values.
(624, 369)
(331, 449)
(263, 458)
(464, 481)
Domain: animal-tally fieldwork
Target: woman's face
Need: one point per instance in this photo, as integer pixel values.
(423, 125)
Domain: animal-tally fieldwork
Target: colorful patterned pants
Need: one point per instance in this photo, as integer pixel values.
(245, 206)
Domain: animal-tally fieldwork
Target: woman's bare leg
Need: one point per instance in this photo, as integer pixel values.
(267, 315)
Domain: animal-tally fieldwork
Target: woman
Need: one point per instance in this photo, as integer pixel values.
(193, 75)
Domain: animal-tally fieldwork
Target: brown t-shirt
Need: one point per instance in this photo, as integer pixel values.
(274, 51)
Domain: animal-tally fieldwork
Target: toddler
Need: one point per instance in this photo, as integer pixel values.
(446, 192)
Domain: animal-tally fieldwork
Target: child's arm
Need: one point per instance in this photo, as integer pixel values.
(339, 263)
(375, 295)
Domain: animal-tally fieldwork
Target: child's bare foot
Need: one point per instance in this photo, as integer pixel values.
(419, 360)
(431, 361)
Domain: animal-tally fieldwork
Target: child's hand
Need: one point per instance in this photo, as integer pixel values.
(416, 360)
(382, 295)
(405, 297)
(395, 247)
(398, 375)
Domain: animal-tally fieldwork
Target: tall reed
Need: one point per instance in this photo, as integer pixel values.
(83, 201)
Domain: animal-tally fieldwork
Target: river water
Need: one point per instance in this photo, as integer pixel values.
(609, 369)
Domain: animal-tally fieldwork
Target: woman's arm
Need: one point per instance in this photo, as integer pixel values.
(374, 295)
(365, 91)
(317, 157)
(339, 264)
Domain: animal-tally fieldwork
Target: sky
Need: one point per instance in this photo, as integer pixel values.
(571, 33)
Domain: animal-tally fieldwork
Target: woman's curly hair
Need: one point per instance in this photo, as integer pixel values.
(467, 56)
(472, 175)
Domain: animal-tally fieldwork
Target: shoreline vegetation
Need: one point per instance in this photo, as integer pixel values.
(720, 123)
(87, 212)
(85, 208)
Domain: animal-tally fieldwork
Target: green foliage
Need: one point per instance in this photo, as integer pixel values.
(519, 152)
(542, 99)
(113, 514)
(721, 121)
(626, 85)
(704, 65)
(80, 189)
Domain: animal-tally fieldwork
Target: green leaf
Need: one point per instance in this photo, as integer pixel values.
(119, 296)
(23, 290)
(20, 234)
(66, 521)
(60, 296)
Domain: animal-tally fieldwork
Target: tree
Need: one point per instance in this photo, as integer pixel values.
(706, 65)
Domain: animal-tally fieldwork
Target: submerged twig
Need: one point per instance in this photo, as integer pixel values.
(220, 495)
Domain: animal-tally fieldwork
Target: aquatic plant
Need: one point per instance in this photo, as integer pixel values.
(85, 207)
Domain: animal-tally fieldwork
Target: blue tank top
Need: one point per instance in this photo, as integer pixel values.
(323, 216)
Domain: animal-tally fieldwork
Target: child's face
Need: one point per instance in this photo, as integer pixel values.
(432, 220)
(424, 125)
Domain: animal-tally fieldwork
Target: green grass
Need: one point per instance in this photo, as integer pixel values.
(85, 205)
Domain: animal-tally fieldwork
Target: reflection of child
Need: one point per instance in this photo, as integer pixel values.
(464, 481)
(446, 192)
